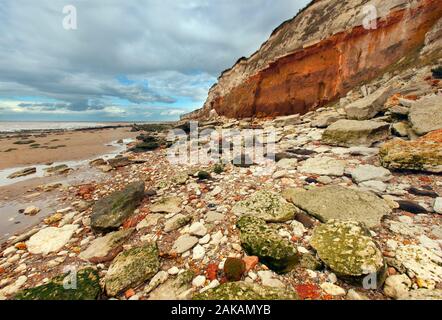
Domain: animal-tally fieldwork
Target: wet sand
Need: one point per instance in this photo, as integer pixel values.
(58, 146)
(75, 147)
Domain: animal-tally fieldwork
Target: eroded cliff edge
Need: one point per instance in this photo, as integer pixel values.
(320, 55)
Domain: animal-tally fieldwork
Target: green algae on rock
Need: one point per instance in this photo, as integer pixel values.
(246, 291)
(259, 239)
(131, 268)
(110, 212)
(266, 205)
(87, 288)
(348, 249)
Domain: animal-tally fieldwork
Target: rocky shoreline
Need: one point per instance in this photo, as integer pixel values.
(351, 209)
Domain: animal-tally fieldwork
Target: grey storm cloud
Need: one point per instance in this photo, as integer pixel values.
(165, 48)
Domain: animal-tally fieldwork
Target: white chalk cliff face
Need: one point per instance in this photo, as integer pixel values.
(321, 54)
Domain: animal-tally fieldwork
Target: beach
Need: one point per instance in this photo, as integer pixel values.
(47, 147)
(74, 148)
(191, 218)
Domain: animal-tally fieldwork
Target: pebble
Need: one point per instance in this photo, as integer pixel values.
(173, 271)
(333, 289)
(31, 211)
(198, 229)
(199, 281)
(205, 239)
(198, 252)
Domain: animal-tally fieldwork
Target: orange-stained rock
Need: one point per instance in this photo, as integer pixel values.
(319, 56)
(212, 271)
(250, 262)
(129, 293)
(424, 154)
(21, 246)
(308, 291)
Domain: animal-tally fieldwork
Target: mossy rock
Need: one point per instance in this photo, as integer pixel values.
(131, 268)
(234, 269)
(218, 168)
(204, 175)
(88, 288)
(110, 212)
(235, 291)
(259, 239)
(22, 142)
(309, 261)
(268, 206)
(146, 146)
(348, 249)
(180, 178)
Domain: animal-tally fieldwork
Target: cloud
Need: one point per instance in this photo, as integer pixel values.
(139, 52)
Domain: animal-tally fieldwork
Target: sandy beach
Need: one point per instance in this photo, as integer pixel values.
(58, 146)
(70, 146)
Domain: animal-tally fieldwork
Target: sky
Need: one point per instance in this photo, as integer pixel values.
(132, 60)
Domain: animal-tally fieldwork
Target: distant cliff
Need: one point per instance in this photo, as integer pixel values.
(320, 55)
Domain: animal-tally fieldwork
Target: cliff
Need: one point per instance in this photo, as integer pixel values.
(320, 55)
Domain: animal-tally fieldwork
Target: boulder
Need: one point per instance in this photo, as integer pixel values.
(119, 162)
(287, 121)
(336, 202)
(58, 170)
(131, 268)
(246, 291)
(368, 107)
(347, 133)
(87, 288)
(326, 119)
(110, 212)
(106, 248)
(259, 239)
(397, 286)
(348, 249)
(184, 243)
(22, 173)
(176, 222)
(31, 211)
(266, 205)
(420, 263)
(426, 115)
(410, 206)
(179, 288)
(150, 221)
(423, 154)
(400, 129)
(50, 239)
(324, 166)
(170, 205)
(368, 172)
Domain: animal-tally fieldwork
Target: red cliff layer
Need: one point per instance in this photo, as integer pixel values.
(315, 75)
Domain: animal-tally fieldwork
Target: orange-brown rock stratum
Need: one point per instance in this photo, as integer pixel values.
(320, 55)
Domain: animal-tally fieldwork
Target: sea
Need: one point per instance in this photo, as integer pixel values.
(36, 126)
(11, 126)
